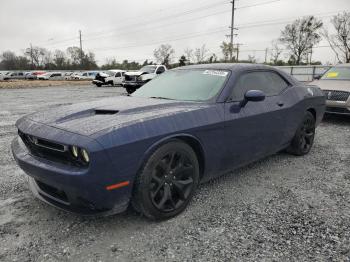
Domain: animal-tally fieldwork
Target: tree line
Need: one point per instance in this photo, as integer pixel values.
(296, 43)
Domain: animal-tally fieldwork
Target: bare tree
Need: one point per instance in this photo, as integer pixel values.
(252, 59)
(300, 36)
(189, 54)
(226, 49)
(74, 55)
(60, 59)
(340, 41)
(200, 53)
(8, 60)
(164, 54)
(275, 51)
(36, 55)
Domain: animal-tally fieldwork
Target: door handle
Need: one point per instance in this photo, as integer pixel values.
(280, 104)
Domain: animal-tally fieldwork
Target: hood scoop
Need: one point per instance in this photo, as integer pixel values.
(87, 114)
(106, 112)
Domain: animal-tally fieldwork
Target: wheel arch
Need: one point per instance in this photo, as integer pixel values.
(190, 140)
(312, 111)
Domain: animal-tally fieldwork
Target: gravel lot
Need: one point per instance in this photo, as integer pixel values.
(282, 208)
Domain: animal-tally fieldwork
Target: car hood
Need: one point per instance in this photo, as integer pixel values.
(118, 112)
(340, 85)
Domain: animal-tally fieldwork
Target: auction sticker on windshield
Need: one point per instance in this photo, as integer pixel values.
(332, 74)
(215, 73)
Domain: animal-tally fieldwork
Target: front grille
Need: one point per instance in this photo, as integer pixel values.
(336, 95)
(130, 78)
(338, 110)
(49, 150)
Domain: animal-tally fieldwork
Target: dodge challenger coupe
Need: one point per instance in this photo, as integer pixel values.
(151, 149)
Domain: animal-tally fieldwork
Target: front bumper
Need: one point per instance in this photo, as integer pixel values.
(133, 84)
(75, 189)
(338, 107)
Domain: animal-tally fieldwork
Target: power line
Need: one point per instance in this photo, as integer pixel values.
(176, 15)
(164, 40)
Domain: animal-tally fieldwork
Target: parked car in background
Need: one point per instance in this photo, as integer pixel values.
(134, 80)
(34, 75)
(335, 84)
(85, 75)
(112, 77)
(100, 78)
(151, 149)
(68, 75)
(14, 75)
(51, 76)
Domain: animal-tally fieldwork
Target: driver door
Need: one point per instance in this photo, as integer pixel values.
(256, 129)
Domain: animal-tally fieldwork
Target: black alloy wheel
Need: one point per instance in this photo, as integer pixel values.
(172, 181)
(167, 182)
(304, 137)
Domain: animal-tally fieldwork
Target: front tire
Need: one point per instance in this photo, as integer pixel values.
(167, 181)
(304, 137)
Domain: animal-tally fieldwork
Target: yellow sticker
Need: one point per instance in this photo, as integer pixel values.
(332, 74)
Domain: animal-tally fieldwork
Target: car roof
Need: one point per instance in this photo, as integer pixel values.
(343, 65)
(116, 70)
(228, 66)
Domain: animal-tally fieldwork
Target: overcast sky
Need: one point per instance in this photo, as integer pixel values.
(133, 29)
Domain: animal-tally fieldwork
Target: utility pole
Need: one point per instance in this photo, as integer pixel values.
(266, 50)
(31, 55)
(81, 49)
(237, 51)
(232, 28)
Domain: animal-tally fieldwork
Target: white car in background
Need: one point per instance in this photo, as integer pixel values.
(117, 77)
(51, 76)
(90, 75)
(134, 80)
(111, 77)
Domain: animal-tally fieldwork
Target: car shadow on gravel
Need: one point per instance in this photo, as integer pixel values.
(337, 119)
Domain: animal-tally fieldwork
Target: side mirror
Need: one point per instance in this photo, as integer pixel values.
(253, 96)
(318, 77)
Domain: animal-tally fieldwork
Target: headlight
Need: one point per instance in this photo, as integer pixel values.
(139, 78)
(85, 155)
(80, 154)
(75, 151)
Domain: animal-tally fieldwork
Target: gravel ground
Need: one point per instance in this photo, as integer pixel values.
(282, 208)
(15, 84)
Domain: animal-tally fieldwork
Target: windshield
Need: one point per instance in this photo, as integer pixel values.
(337, 73)
(149, 69)
(190, 85)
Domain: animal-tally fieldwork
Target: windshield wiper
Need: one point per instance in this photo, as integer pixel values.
(160, 97)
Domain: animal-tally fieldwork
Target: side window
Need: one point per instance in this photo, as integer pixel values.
(85, 74)
(123, 73)
(20, 74)
(118, 74)
(268, 82)
(278, 84)
(160, 70)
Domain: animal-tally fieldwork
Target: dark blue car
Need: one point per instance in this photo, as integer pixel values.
(151, 149)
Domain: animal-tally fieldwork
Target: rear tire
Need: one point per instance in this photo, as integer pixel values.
(167, 181)
(304, 137)
(98, 85)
